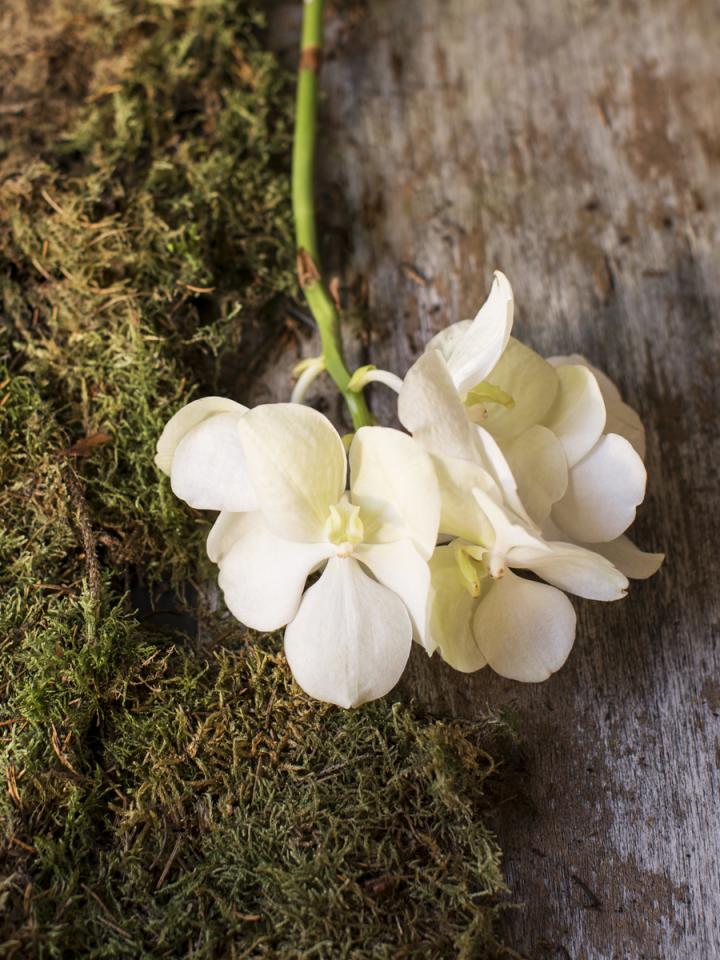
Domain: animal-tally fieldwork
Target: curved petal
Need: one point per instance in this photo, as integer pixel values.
(461, 515)
(621, 418)
(261, 576)
(445, 340)
(393, 480)
(577, 417)
(531, 382)
(538, 463)
(494, 460)
(399, 567)
(633, 562)
(576, 569)
(603, 492)
(430, 408)
(525, 629)
(298, 464)
(451, 615)
(209, 469)
(473, 355)
(351, 638)
(191, 415)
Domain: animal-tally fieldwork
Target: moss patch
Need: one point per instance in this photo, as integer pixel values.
(169, 792)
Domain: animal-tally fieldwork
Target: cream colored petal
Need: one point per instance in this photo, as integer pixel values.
(261, 576)
(578, 415)
(525, 629)
(533, 385)
(574, 569)
(495, 462)
(621, 418)
(538, 464)
(209, 469)
(399, 567)
(604, 490)
(393, 480)
(430, 408)
(451, 615)
(461, 515)
(190, 416)
(298, 464)
(351, 638)
(633, 562)
(472, 356)
(445, 340)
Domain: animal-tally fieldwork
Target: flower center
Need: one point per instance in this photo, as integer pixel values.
(344, 526)
(478, 397)
(471, 565)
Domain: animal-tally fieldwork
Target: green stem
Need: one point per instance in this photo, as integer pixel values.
(319, 300)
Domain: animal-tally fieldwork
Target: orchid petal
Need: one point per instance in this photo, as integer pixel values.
(430, 408)
(188, 417)
(445, 340)
(209, 469)
(298, 461)
(531, 383)
(351, 638)
(633, 562)
(451, 615)
(261, 576)
(578, 415)
(574, 569)
(471, 357)
(621, 418)
(399, 567)
(604, 490)
(461, 515)
(538, 463)
(525, 629)
(393, 481)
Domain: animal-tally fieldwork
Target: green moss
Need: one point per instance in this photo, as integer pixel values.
(170, 793)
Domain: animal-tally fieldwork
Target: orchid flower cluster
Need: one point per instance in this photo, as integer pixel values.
(511, 466)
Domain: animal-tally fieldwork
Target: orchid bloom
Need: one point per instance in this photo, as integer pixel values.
(347, 637)
(569, 449)
(482, 612)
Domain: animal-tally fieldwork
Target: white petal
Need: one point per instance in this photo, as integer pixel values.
(351, 638)
(472, 356)
(393, 479)
(209, 468)
(578, 415)
(538, 463)
(495, 462)
(621, 418)
(576, 569)
(525, 629)
(603, 492)
(531, 382)
(400, 568)
(430, 408)
(298, 464)
(633, 562)
(262, 576)
(461, 515)
(451, 615)
(445, 340)
(183, 422)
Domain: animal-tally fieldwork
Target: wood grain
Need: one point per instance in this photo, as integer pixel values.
(576, 145)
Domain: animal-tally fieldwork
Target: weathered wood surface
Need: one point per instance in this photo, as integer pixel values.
(576, 145)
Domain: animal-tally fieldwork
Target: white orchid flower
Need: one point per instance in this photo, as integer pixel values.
(568, 451)
(481, 611)
(349, 635)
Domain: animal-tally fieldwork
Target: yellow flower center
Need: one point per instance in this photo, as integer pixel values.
(478, 397)
(344, 526)
(470, 560)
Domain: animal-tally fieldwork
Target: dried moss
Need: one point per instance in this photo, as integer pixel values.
(170, 793)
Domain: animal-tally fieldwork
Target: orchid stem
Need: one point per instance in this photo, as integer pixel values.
(319, 300)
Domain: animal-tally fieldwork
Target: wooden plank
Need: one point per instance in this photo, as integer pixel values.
(574, 144)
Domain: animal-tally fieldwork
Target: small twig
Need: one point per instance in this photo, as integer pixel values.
(169, 863)
(87, 535)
